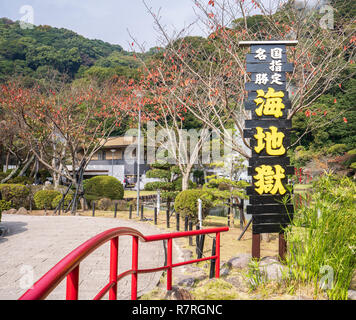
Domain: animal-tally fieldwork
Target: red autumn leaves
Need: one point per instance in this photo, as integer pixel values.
(308, 113)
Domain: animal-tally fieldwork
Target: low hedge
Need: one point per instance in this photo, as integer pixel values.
(21, 180)
(44, 198)
(67, 199)
(17, 194)
(103, 187)
(4, 205)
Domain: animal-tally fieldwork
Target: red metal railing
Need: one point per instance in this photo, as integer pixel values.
(69, 265)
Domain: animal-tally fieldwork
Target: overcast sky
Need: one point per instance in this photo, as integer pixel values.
(107, 20)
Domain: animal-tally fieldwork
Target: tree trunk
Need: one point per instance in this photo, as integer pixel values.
(185, 181)
(22, 172)
(12, 174)
(7, 161)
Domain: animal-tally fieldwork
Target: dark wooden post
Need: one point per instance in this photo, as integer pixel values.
(190, 229)
(130, 211)
(228, 212)
(93, 208)
(167, 217)
(256, 245)
(115, 212)
(213, 261)
(242, 215)
(201, 246)
(155, 216)
(186, 220)
(197, 239)
(141, 212)
(177, 218)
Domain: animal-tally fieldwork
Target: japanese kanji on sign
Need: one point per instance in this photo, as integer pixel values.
(268, 131)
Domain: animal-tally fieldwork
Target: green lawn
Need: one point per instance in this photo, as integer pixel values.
(133, 193)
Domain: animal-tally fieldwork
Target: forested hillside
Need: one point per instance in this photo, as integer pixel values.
(44, 51)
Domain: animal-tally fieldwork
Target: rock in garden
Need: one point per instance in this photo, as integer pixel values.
(351, 294)
(186, 281)
(196, 273)
(238, 283)
(22, 210)
(187, 255)
(224, 272)
(179, 294)
(11, 211)
(241, 261)
(272, 269)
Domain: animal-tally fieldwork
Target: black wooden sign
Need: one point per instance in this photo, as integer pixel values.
(269, 133)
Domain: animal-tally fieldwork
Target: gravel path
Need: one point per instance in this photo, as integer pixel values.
(34, 244)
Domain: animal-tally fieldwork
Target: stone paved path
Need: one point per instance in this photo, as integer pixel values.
(37, 243)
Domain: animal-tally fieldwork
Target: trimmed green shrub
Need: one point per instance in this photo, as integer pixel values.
(186, 203)
(4, 205)
(67, 199)
(337, 149)
(21, 180)
(178, 184)
(103, 187)
(44, 198)
(17, 194)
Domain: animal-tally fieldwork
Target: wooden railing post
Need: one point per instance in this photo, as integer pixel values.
(134, 268)
(190, 229)
(115, 210)
(167, 217)
(169, 264)
(114, 246)
(72, 284)
(212, 261)
(155, 216)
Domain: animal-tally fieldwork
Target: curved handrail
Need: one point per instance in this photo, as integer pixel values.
(48, 282)
(43, 287)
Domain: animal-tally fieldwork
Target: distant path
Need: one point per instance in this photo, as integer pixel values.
(39, 242)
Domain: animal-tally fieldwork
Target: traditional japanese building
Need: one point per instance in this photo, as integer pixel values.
(117, 158)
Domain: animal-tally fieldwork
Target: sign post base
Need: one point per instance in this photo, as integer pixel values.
(256, 246)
